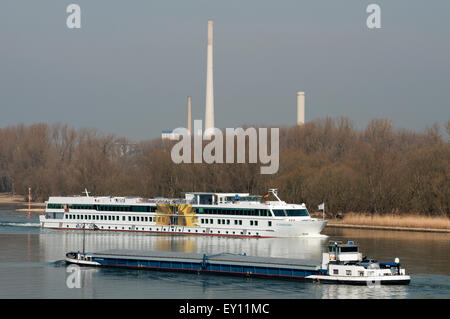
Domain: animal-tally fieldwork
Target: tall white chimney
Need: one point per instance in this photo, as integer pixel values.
(189, 116)
(300, 108)
(209, 111)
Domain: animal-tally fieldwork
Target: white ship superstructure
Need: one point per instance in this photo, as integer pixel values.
(219, 214)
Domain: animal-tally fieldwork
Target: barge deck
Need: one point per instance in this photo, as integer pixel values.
(223, 263)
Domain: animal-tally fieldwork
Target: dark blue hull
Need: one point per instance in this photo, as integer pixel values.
(261, 270)
(223, 269)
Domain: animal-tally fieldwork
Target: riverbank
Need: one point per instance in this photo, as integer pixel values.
(417, 223)
(393, 222)
(19, 203)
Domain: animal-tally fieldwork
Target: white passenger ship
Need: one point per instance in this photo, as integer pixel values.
(219, 214)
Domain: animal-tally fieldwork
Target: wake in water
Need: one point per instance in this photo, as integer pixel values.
(18, 224)
(313, 236)
(58, 263)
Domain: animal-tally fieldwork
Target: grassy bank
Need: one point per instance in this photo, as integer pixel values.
(395, 222)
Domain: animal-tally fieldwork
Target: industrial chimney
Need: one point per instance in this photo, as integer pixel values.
(300, 108)
(189, 116)
(209, 112)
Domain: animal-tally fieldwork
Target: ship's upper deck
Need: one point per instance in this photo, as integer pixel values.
(244, 200)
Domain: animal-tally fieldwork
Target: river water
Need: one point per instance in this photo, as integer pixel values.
(31, 264)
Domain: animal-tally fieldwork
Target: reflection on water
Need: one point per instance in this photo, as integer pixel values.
(53, 244)
(353, 292)
(31, 264)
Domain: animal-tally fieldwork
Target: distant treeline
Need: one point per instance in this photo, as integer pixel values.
(375, 170)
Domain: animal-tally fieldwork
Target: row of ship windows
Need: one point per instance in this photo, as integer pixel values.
(227, 222)
(200, 210)
(106, 208)
(229, 211)
(109, 217)
(180, 230)
(150, 219)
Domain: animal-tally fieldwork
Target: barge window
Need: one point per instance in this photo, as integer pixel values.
(353, 249)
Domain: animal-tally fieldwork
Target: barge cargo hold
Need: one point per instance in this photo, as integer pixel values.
(223, 263)
(342, 264)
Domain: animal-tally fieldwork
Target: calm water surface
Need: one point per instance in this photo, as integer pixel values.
(31, 264)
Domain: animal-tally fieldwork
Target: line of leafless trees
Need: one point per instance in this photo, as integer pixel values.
(375, 170)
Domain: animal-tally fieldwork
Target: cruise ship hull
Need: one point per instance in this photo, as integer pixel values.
(280, 228)
(207, 214)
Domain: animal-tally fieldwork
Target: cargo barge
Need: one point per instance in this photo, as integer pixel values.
(342, 264)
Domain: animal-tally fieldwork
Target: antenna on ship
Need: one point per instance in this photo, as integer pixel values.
(86, 192)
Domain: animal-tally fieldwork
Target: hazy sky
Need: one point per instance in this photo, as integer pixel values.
(130, 67)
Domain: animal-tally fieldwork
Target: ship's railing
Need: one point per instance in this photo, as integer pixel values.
(189, 202)
(177, 201)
